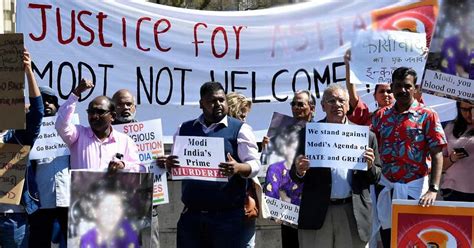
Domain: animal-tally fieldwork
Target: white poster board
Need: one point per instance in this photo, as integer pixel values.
(199, 158)
(376, 54)
(282, 210)
(148, 135)
(49, 144)
(336, 145)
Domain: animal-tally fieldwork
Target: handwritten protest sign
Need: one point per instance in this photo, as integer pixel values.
(13, 160)
(148, 135)
(336, 145)
(12, 81)
(49, 144)
(251, 57)
(446, 224)
(199, 158)
(375, 54)
(282, 210)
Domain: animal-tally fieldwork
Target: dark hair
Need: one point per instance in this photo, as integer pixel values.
(460, 124)
(402, 72)
(210, 87)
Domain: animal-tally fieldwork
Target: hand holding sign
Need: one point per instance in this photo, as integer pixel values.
(370, 157)
(302, 165)
(232, 167)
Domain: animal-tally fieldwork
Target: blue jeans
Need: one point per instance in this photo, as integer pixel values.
(248, 234)
(14, 230)
(213, 229)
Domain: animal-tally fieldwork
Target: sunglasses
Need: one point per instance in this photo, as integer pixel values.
(99, 112)
(297, 104)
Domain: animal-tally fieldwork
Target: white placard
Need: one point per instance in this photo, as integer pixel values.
(199, 158)
(376, 54)
(451, 86)
(282, 210)
(148, 135)
(336, 145)
(49, 144)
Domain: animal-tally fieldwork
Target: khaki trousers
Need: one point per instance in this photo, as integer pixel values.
(338, 231)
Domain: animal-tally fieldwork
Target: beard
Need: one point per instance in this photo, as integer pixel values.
(126, 119)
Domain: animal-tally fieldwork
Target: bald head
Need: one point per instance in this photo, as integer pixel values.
(125, 103)
(101, 114)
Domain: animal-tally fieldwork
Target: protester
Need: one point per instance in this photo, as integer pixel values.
(459, 155)
(13, 218)
(125, 107)
(359, 111)
(126, 111)
(98, 146)
(53, 181)
(407, 132)
(214, 211)
(335, 206)
(239, 107)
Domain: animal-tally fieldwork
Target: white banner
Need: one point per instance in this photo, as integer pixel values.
(376, 54)
(199, 158)
(337, 145)
(49, 144)
(148, 136)
(164, 54)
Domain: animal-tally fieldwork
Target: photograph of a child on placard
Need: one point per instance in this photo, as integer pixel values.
(109, 209)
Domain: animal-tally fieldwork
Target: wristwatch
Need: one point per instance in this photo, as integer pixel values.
(433, 188)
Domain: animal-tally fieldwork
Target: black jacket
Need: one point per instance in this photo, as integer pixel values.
(317, 192)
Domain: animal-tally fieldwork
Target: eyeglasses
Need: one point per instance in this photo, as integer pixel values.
(297, 104)
(334, 101)
(99, 112)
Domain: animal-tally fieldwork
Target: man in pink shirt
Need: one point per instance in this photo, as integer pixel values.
(99, 146)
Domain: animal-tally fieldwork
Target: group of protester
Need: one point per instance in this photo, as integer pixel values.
(336, 206)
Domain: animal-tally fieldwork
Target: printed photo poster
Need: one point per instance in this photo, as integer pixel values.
(148, 136)
(49, 144)
(199, 158)
(113, 205)
(13, 162)
(376, 54)
(444, 225)
(12, 82)
(450, 67)
(337, 145)
(283, 195)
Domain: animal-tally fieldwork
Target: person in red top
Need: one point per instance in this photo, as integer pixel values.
(359, 111)
(408, 132)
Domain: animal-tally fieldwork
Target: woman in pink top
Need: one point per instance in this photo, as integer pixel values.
(458, 161)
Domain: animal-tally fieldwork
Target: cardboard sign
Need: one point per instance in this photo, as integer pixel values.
(148, 135)
(376, 54)
(199, 158)
(12, 82)
(13, 162)
(336, 145)
(49, 144)
(446, 224)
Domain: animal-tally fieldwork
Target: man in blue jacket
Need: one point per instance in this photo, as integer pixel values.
(13, 218)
